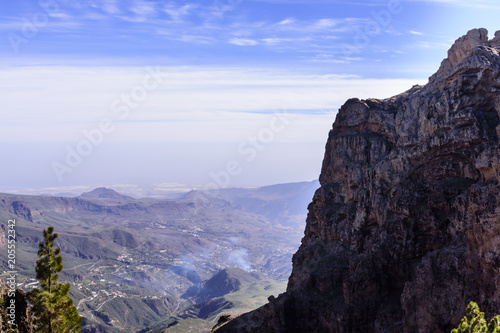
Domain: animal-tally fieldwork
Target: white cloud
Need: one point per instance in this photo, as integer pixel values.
(110, 6)
(143, 8)
(325, 23)
(243, 42)
(60, 15)
(281, 41)
(416, 33)
(287, 21)
(178, 12)
(322, 58)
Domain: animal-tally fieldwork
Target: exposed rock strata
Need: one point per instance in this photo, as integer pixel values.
(405, 229)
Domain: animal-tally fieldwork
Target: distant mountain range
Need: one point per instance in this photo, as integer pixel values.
(152, 190)
(144, 263)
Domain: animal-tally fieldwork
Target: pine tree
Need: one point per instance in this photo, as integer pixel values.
(474, 322)
(52, 307)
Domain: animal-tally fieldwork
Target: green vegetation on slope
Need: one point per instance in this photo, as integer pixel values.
(474, 322)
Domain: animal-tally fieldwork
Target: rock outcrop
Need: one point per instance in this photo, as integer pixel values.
(405, 228)
(17, 318)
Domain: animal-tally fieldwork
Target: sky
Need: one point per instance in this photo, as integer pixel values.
(221, 92)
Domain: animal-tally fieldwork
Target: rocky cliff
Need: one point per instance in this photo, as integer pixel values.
(405, 229)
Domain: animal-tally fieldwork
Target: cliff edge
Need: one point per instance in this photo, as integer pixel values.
(404, 230)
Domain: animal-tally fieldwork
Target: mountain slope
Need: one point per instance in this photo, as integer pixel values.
(403, 232)
(130, 261)
(231, 290)
(224, 282)
(283, 203)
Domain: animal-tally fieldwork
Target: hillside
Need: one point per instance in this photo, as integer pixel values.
(132, 261)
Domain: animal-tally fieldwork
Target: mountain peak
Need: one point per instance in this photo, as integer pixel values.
(195, 195)
(462, 48)
(473, 50)
(105, 193)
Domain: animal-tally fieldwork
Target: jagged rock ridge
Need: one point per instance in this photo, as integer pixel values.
(404, 230)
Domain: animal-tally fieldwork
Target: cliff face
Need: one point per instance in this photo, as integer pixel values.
(405, 229)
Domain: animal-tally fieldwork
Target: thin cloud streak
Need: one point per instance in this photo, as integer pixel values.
(181, 22)
(243, 42)
(226, 99)
(488, 4)
(416, 33)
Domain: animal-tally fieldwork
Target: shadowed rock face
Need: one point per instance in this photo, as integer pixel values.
(22, 319)
(404, 230)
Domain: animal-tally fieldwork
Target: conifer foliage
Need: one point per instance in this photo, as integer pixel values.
(474, 322)
(52, 307)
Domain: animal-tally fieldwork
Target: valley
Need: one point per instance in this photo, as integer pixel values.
(144, 264)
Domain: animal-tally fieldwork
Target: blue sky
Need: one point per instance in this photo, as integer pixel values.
(224, 69)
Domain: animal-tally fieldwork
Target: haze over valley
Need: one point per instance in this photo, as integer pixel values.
(135, 263)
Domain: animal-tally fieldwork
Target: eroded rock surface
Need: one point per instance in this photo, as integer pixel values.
(405, 229)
